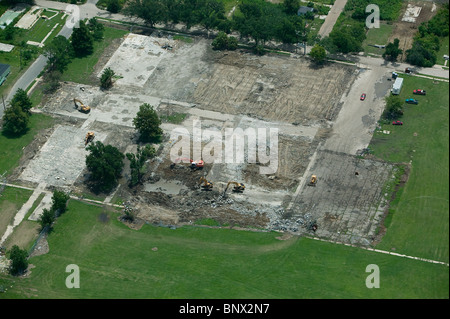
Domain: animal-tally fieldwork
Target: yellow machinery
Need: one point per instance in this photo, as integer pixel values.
(206, 184)
(237, 188)
(313, 181)
(89, 137)
(81, 107)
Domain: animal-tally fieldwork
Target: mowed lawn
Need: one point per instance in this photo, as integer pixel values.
(200, 263)
(419, 225)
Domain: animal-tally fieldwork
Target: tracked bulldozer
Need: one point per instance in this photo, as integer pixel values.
(81, 107)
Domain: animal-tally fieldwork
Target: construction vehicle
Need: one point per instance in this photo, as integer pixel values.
(237, 188)
(89, 138)
(194, 164)
(313, 181)
(207, 186)
(81, 107)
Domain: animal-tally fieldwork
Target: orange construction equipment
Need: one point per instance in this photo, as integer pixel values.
(313, 181)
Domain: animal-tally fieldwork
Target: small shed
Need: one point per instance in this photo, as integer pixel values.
(4, 71)
(303, 10)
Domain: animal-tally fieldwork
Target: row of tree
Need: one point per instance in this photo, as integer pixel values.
(256, 19)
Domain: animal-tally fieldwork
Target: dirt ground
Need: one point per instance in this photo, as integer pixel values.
(219, 90)
(405, 31)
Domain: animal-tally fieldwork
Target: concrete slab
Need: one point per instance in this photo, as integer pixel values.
(46, 203)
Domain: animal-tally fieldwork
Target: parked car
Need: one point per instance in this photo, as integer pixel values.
(397, 123)
(411, 101)
(420, 92)
(363, 97)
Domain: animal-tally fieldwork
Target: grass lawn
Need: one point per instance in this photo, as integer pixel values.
(443, 49)
(80, 69)
(42, 27)
(420, 222)
(11, 199)
(377, 36)
(202, 263)
(11, 148)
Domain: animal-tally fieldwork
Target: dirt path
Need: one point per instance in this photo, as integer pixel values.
(332, 17)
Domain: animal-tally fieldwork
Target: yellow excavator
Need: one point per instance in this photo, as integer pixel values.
(207, 186)
(237, 188)
(313, 181)
(89, 137)
(81, 107)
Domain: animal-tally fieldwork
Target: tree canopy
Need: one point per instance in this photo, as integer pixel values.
(105, 164)
(59, 53)
(148, 123)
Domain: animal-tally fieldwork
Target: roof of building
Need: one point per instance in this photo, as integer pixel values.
(303, 10)
(3, 68)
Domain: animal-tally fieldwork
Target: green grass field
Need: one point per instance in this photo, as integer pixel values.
(42, 27)
(80, 69)
(11, 148)
(420, 222)
(377, 36)
(202, 263)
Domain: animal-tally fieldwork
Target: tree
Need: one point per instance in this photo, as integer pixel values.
(423, 52)
(148, 123)
(291, 6)
(82, 40)
(393, 109)
(97, 29)
(47, 218)
(106, 79)
(318, 54)
(151, 11)
(59, 53)
(392, 51)
(105, 164)
(113, 6)
(21, 98)
(224, 42)
(15, 121)
(137, 162)
(59, 202)
(19, 261)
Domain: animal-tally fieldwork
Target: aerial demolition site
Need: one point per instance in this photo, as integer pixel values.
(288, 115)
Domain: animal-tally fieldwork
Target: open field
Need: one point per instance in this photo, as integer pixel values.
(195, 262)
(378, 36)
(420, 221)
